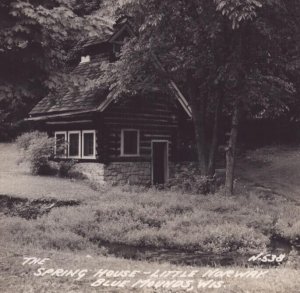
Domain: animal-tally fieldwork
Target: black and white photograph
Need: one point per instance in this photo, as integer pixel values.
(150, 146)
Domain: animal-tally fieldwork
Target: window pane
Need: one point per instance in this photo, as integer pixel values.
(130, 142)
(88, 144)
(74, 145)
(60, 144)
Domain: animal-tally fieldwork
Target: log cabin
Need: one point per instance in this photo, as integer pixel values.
(132, 140)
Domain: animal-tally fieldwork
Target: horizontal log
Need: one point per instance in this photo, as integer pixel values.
(139, 122)
(69, 122)
(136, 120)
(138, 126)
(143, 143)
(157, 135)
(116, 132)
(145, 115)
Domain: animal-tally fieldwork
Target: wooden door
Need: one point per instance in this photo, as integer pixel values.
(159, 162)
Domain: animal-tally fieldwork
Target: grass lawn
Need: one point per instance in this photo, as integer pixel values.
(274, 167)
(244, 223)
(16, 180)
(70, 236)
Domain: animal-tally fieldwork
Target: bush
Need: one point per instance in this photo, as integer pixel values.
(25, 140)
(192, 183)
(37, 148)
(188, 179)
(64, 168)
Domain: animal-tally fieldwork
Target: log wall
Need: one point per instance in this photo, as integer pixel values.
(155, 119)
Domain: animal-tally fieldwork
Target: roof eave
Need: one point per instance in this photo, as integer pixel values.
(68, 114)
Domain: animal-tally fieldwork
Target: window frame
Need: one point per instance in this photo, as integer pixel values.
(79, 144)
(82, 144)
(85, 59)
(122, 142)
(55, 148)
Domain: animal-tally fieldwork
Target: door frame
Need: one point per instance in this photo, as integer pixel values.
(166, 163)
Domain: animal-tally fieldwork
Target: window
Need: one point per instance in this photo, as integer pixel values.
(117, 48)
(74, 144)
(85, 59)
(130, 142)
(60, 144)
(79, 145)
(88, 144)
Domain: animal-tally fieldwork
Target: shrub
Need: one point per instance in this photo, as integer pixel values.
(24, 141)
(192, 183)
(288, 230)
(188, 179)
(64, 168)
(37, 147)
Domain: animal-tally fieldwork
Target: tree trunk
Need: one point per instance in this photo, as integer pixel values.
(215, 133)
(231, 150)
(199, 125)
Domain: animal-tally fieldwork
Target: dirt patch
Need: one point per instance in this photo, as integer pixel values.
(30, 209)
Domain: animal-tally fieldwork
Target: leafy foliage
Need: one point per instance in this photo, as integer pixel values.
(64, 168)
(188, 180)
(194, 36)
(222, 50)
(210, 224)
(24, 141)
(37, 148)
(35, 39)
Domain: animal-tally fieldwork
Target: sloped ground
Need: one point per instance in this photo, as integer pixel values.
(276, 168)
(16, 180)
(63, 234)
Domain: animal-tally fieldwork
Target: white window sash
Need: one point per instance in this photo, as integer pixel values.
(79, 144)
(85, 59)
(94, 146)
(55, 147)
(122, 143)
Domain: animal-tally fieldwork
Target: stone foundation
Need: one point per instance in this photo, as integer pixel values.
(92, 171)
(136, 173)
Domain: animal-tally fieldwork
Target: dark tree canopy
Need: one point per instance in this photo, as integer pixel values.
(35, 38)
(223, 54)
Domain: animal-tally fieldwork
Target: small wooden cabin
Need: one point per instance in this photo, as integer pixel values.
(133, 140)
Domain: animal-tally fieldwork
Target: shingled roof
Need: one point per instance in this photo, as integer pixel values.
(75, 99)
(71, 100)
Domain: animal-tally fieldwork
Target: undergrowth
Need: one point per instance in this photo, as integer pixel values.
(211, 223)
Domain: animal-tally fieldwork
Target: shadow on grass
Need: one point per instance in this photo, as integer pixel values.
(31, 209)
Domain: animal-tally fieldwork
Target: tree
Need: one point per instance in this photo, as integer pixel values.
(228, 55)
(262, 80)
(176, 33)
(35, 39)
